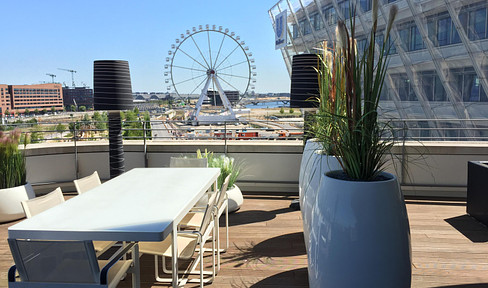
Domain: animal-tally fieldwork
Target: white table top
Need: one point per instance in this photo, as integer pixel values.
(139, 205)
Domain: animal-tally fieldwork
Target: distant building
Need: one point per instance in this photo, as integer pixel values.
(32, 97)
(5, 106)
(214, 97)
(78, 96)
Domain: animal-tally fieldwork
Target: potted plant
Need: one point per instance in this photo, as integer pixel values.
(13, 185)
(227, 166)
(360, 235)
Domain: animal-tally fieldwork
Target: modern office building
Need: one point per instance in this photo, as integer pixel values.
(78, 96)
(32, 97)
(438, 68)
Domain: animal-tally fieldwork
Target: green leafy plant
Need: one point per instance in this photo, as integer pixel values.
(226, 164)
(358, 138)
(12, 161)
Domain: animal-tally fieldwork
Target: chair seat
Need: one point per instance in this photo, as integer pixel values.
(102, 246)
(192, 220)
(186, 247)
(115, 274)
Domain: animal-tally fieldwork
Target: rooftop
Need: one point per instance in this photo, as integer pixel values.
(267, 250)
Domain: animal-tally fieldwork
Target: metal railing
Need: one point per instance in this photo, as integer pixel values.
(276, 130)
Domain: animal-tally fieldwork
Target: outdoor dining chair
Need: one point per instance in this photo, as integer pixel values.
(189, 243)
(87, 183)
(193, 220)
(181, 162)
(36, 205)
(83, 185)
(188, 162)
(55, 264)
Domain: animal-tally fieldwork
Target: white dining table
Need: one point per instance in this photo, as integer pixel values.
(143, 204)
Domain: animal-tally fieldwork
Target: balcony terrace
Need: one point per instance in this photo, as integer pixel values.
(267, 250)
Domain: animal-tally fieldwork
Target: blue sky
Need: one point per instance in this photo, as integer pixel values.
(40, 36)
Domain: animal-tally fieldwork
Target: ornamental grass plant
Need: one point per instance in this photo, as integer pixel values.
(356, 135)
(331, 108)
(12, 161)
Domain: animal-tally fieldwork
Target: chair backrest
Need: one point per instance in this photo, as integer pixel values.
(36, 205)
(55, 261)
(223, 191)
(87, 183)
(207, 217)
(188, 162)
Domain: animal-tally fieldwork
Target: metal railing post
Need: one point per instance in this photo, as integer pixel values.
(225, 137)
(144, 126)
(404, 153)
(76, 150)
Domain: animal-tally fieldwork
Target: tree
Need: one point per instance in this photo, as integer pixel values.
(291, 110)
(53, 109)
(72, 108)
(82, 108)
(60, 128)
(100, 120)
(282, 110)
(44, 111)
(36, 111)
(26, 111)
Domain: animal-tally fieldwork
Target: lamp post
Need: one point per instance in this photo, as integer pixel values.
(112, 92)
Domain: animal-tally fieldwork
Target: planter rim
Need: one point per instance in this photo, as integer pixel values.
(391, 178)
(481, 163)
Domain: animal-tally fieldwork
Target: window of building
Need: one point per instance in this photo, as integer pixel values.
(345, 7)
(475, 21)
(441, 30)
(365, 5)
(410, 37)
(468, 85)
(330, 15)
(380, 38)
(295, 32)
(316, 21)
(432, 86)
(404, 87)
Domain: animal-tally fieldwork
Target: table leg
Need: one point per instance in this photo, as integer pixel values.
(174, 254)
(136, 280)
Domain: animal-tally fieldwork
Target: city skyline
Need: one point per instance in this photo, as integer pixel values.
(48, 35)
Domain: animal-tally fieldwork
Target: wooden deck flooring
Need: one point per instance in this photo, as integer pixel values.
(449, 248)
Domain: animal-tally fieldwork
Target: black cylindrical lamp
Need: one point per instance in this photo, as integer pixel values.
(304, 81)
(112, 92)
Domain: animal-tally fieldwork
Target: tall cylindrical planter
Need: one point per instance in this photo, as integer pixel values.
(320, 164)
(306, 165)
(361, 235)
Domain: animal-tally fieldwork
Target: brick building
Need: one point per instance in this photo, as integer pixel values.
(32, 97)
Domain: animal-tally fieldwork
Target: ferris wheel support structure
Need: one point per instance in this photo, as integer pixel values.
(196, 118)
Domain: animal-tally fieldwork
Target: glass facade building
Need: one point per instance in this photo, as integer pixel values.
(437, 75)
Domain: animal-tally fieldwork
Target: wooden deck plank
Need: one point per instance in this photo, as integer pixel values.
(449, 249)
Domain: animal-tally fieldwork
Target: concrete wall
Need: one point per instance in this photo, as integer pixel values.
(437, 169)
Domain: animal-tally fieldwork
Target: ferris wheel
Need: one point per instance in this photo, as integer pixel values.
(210, 61)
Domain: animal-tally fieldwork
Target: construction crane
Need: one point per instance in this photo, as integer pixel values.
(52, 76)
(72, 74)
